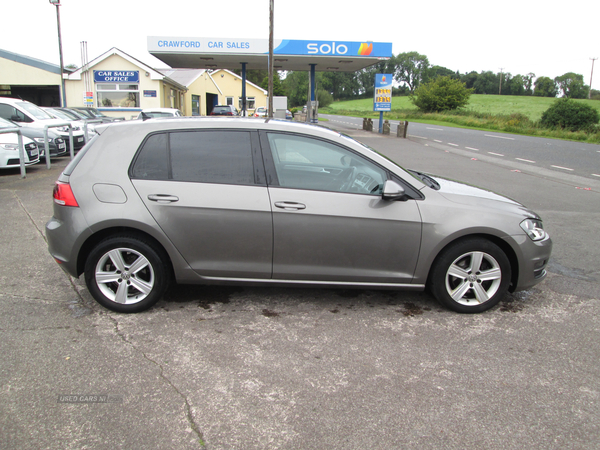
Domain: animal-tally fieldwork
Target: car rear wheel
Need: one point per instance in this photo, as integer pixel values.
(470, 276)
(126, 274)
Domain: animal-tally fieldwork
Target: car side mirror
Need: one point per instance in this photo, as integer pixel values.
(393, 191)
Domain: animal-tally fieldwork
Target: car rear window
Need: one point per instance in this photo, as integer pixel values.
(223, 157)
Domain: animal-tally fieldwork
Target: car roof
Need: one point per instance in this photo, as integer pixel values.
(208, 122)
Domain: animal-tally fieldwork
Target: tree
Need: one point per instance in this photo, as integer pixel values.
(487, 83)
(545, 87)
(411, 68)
(441, 94)
(469, 79)
(439, 71)
(571, 115)
(277, 86)
(516, 85)
(572, 85)
(296, 88)
(528, 83)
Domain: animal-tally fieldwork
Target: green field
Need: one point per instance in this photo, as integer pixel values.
(508, 113)
(532, 107)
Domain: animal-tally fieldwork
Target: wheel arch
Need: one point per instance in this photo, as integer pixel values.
(105, 233)
(501, 243)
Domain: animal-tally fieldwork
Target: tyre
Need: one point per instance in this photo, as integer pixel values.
(126, 274)
(470, 276)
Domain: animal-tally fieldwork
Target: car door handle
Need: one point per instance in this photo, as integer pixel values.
(163, 198)
(290, 206)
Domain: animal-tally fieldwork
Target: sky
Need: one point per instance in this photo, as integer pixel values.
(548, 38)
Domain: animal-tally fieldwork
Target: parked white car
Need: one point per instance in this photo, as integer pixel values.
(151, 113)
(9, 148)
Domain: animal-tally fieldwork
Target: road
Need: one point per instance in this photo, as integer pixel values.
(556, 155)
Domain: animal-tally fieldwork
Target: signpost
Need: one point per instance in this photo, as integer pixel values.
(382, 100)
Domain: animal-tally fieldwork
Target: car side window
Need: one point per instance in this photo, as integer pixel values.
(223, 157)
(307, 163)
(11, 113)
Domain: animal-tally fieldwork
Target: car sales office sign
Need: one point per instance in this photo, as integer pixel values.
(116, 76)
(383, 92)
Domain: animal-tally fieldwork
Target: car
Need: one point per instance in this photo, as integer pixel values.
(56, 144)
(274, 202)
(152, 113)
(76, 128)
(288, 115)
(261, 111)
(9, 148)
(224, 110)
(80, 118)
(93, 113)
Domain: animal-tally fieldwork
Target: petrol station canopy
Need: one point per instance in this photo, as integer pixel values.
(300, 55)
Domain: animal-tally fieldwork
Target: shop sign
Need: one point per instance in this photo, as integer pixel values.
(116, 76)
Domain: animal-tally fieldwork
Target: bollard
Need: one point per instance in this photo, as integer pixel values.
(364, 123)
(386, 127)
(402, 129)
(369, 125)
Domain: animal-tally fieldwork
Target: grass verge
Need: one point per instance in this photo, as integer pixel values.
(508, 114)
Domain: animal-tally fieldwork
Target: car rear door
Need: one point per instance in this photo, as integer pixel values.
(207, 191)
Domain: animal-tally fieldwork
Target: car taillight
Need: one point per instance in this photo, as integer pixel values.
(63, 195)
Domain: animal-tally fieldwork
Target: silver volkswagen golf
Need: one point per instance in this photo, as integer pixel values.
(239, 201)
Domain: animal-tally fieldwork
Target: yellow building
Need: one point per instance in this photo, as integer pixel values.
(121, 86)
(29, 79)
(221, 87)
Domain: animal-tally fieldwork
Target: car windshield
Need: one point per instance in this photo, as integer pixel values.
(35, 111)
(61, 114)
(74, 114)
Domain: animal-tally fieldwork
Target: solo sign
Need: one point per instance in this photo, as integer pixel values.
(382, 100)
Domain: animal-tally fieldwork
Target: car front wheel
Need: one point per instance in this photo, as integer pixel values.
(470, 276)
(126, 274)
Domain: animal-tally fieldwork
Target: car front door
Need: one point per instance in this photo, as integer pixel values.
(330, 222)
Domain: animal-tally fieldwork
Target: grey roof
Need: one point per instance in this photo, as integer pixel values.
(39, 64)
(182, 76)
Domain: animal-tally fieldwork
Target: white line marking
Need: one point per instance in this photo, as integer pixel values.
(418, 137)
(471, 148)
(499, 137)
(525, 160)
(436, 129)
(435, 140)
(563, 168)
(495, 154)
(454, 145)
(595, 175)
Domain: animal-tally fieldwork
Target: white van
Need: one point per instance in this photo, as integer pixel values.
(29, 115)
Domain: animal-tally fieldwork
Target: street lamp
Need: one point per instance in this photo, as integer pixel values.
(62, 69)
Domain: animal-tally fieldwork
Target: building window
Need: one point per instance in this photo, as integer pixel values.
(250, 103)
(118, 95)
(229, 101)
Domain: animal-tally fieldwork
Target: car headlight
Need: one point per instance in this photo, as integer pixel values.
(10, 146)
(534, 229)
(63, 129)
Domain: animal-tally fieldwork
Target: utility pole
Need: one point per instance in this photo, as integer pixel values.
(270, 106)
(591, 76)
(500, 89)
